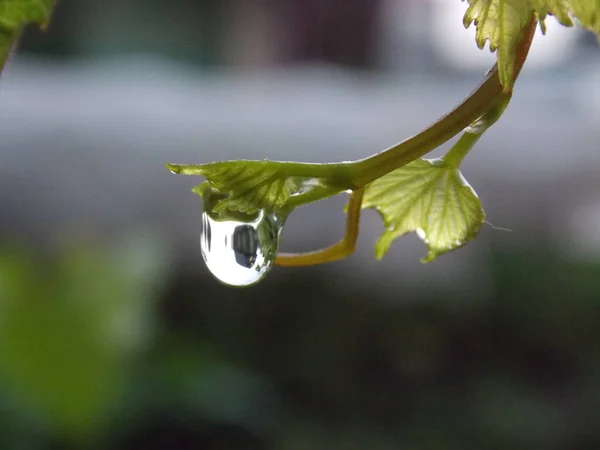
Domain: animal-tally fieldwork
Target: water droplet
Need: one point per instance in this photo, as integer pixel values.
(240, 253)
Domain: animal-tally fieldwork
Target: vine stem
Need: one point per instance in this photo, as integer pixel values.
(338, 251)
(477, 104)
(480, 110)
(473, 133)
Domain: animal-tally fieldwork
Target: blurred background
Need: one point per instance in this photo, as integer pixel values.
(112, 333)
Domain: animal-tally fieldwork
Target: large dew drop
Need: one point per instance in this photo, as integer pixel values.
(240, 253)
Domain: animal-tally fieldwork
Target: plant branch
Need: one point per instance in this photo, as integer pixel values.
(473, 133)
(475, 114)
(338, 251)
(480, 110)
(478, 103)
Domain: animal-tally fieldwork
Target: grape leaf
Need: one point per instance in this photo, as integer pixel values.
(249, 186)
(430, 198)
(502, 23)
(16, 14)
(558, 8)
(587, 13)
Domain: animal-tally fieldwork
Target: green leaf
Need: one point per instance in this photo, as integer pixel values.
(16, 14)
(430, 198)
(587, 13)
(558, 8)
(502, 23)
(69, 329)
(249, 186)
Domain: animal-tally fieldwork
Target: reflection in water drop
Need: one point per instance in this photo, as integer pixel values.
(240, 253)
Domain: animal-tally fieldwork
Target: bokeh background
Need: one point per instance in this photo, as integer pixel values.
(114, 336)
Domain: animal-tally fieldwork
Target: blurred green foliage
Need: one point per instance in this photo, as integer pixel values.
(116, 346)
(68, 328)
(108, 346)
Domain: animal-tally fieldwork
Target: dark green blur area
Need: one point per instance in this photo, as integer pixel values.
(115, 344)
(101, 349)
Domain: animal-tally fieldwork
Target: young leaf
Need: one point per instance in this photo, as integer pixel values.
(16, 14)
(558, 8)
(503, 22)
(587, 12)
(249, 186)
(430, 198)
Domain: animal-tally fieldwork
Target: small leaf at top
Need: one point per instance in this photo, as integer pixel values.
(587, 13)
(502, 23)
(249, 186)
(430, 198)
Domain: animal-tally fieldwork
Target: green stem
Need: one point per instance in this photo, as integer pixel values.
(458, 152)
(475, 115)
(481, 109)
(487, 96)
(473, 107)
(473, 133)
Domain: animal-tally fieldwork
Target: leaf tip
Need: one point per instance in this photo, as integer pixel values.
(542, 23)
(174, 168)
(383, 245)
(431, 256)
(201, 189)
